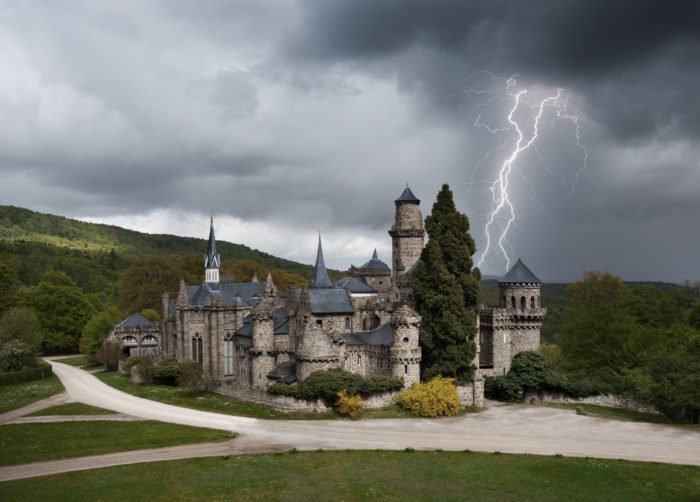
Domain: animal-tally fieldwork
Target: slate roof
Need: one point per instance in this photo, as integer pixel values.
(355, 285)
(136, 321)
(519, 273)
(212, 259)
(285, 372)
(320, 279)
(408, 197)
(250, 293)
(280, 323)
(375, 263)
(172, 307)
(330, 301)
(380, 336)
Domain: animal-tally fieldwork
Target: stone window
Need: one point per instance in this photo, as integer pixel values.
(405, 339)
(347, 324)
(149, 341)
(319, 323)
(405, 369)
(504, 304)
(228, 355)
(197, 354)
(523, 303)
(532, 302)
(512, 302)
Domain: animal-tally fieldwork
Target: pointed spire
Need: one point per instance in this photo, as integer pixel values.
(407, 197)
(212, 260)
(375, 256)
(270, 288)
(320, 279)
(255, 277)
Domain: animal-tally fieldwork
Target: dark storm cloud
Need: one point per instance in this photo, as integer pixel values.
(619, 55)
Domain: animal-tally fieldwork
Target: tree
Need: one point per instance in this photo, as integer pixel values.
(9, 285)
(96, 330)
(151, 314)
(62, 309)
(21, 324)
(694, 317)
(14, 355)
(446, 287)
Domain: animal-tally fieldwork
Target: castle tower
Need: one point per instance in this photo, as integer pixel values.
(212, 260)
(519, 293)
(263, 334)
(407, 236)
(405, 348)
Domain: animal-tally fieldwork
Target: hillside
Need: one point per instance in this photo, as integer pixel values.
(25, 228)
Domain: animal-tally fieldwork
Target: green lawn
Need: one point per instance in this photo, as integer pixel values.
(24, 443)
(607, 412)
(364, 475)
(79, 361)
(16, 395)
(71, 409)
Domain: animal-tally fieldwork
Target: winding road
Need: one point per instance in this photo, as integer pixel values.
(505, 428)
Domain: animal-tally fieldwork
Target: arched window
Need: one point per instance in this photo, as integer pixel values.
(149, 341)
(197, 355)
(523, 303)
(375, 321)
(228, 354)
(504, 304)
(512, 302)
(347, 324)
(532, 302)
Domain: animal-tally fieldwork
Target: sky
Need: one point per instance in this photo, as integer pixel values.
(281, 118)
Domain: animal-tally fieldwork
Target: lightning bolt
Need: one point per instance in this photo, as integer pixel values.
(524, 118)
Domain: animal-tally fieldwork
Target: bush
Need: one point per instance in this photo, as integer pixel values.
(143, 367)
(166, 372)
(350, 406)
(325, 384)
(185, 373)
(38, 371)
(436, 398)
(502, 388)
(109, 354)
(15, 355)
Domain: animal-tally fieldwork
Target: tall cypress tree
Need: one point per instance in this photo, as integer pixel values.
(445, 288)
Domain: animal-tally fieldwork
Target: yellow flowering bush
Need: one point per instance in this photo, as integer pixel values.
(436, 398)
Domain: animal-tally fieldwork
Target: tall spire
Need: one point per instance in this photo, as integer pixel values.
(320, 279)
(212, 260)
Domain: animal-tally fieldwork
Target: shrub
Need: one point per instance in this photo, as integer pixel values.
(436, 398)
(141, 368)
(166, 372)
(325, 384)
(133, 361)
(14, 355)
(350, 406)
(109, 354)
(38, 371)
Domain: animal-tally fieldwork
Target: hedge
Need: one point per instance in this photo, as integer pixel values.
(39, 372)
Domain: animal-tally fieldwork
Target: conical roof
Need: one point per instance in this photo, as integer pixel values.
(320, 279)
(375, 263)
(212, 258)
(407, 197)
(519, 273)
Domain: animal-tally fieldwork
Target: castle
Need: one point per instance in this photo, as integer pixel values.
(247, 335)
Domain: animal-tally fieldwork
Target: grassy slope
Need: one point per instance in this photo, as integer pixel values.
(25, 443)
(16, 395)
(363, 475)
(71, 409)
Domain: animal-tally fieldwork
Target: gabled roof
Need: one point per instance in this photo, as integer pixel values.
(383, 335)
(375, 263)
(212, 259)
(355, 285)
(280, 323)
(519, 273)
(249, 292)
(136, 321)
(320, 279)
(330, 301)
(407, 197)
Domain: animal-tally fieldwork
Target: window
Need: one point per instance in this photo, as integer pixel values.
(319, 322)
(149, 341)
(405, 369)
(504, 304)
(197, 355)
(523, 303)
(347, 324)
(228, 355)
(405, 339)
(532, 302)
(512, 302)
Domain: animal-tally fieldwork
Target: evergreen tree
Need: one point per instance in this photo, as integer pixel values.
(446, 287)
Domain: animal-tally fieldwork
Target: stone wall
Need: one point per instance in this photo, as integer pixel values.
(608, 400)
(471, 394)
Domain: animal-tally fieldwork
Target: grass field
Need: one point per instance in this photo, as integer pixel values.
(24, 443)
(210, 401)
(363, 475)
(607, 412)
(71, 409)
(80, 362)
(16, 395)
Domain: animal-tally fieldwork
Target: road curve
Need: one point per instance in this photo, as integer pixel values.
(505, 428)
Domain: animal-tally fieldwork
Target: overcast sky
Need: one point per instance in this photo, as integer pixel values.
(283, 117)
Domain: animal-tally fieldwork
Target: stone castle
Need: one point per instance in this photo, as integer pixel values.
(247, 335)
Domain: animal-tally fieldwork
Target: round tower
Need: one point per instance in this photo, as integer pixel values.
(405, 347)
(263, 335)
(407, 238)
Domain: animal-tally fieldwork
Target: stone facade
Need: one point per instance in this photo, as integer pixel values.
(609, 400)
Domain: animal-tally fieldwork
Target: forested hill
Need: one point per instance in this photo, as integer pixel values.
(21, 225)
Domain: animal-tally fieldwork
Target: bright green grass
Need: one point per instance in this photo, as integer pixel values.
(607, 412)
(16, 395)
(370, 475)
(24, 443)
(73, 361)
(71, 409)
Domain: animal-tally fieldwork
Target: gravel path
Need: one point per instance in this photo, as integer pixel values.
(505, 428)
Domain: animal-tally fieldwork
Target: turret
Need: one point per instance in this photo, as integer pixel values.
(263, 334)
(405, 348)
(407, 237)
(212, 260)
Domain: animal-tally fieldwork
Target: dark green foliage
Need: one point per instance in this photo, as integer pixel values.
(446, 289)
(529, 372)
(9, 284)
(694, 317)
(177, 373)
(96, 330)
(37, 370)
(15, 355)
(21, 324)
(109, 354)
(62, 309)
(327, 383)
